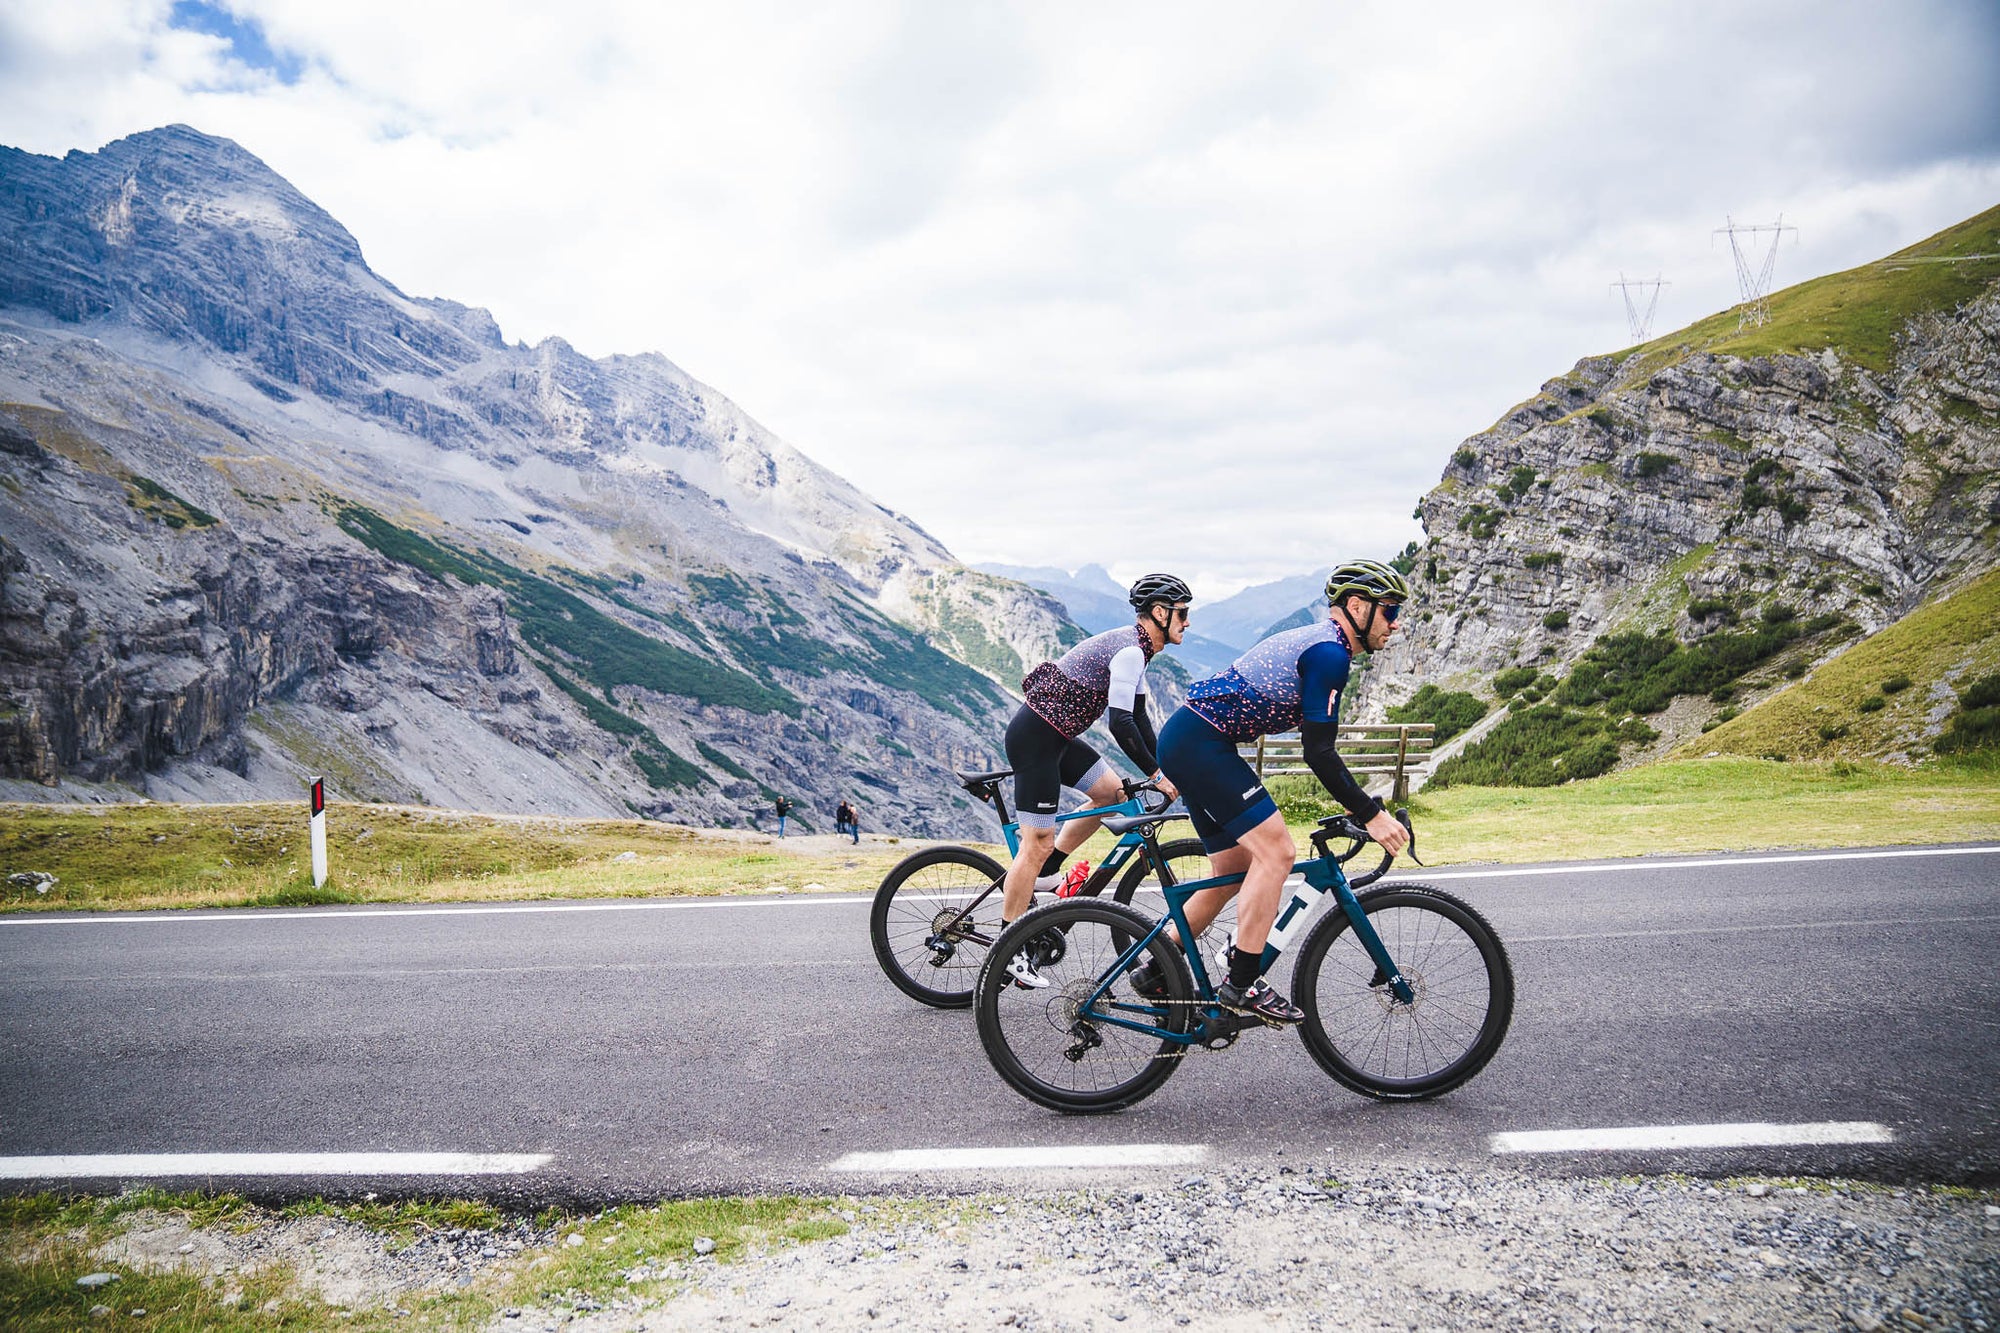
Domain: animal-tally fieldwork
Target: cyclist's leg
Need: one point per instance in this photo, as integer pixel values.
(1035, 753)
(1271, 852)
(1083, 770)
(1224, 799)
(1202, 909)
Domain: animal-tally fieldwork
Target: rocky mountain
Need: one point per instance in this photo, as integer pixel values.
(264, 515)
(1794, 485)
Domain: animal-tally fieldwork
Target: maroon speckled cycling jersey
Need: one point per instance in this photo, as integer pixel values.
(1073, 691)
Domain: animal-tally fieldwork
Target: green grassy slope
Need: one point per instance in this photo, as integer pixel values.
(1952, 639)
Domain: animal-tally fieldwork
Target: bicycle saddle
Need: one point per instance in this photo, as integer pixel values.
(970, 781)
(1123, 824)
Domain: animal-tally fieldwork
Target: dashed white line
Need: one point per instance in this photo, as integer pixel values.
(1087, 1157)
(91, 1166)
(1654, 1138)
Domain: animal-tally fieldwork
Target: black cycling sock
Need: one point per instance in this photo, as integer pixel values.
(1052, 864)
(1244, 968)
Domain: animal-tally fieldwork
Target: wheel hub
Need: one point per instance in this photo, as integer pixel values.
(1385, 994)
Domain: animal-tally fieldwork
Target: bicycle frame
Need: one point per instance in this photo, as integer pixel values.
(1121, 852)
(1321, 875)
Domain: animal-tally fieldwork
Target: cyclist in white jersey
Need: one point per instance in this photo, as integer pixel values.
(1103, 674)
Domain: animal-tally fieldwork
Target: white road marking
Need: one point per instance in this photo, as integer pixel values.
(1906, 921)
(1092, 1156)
(91, 1166)
(252, 915)
(1647, 1138)
(1719, 863)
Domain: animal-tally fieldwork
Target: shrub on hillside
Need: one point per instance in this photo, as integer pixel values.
(1542, 746)
(1976, 724)
(1512, 680)
(1449, 712)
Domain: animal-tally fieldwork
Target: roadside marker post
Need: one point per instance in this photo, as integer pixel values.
(319, 832)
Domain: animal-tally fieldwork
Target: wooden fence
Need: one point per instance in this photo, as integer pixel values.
(1397, 749)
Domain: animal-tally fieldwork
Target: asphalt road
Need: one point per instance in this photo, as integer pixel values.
(676, 1047)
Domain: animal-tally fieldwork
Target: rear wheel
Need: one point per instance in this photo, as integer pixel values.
(1052, 1044)
(915, 924)
(1370, 1041)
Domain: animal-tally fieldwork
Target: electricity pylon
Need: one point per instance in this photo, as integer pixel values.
(1642, 324)
(1754, 284)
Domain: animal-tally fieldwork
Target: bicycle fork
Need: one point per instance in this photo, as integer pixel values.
(1309, 883)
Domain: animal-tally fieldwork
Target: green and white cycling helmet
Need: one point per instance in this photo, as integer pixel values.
(1369, 578)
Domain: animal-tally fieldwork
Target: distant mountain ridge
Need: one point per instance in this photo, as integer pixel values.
(1220, 630)
(264, 515)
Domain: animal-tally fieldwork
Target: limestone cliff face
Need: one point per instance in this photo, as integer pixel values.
(262, 514)
(1643, 490)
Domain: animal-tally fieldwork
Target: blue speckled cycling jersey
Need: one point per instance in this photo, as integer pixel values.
(1073, 691)
(1289, 678)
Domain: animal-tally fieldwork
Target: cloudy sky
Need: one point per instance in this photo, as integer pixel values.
(1156, 285)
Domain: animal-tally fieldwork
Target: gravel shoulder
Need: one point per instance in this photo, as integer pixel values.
(1312, 1247)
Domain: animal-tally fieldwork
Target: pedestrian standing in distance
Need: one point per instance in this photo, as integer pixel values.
(844, 822)
(783, 807)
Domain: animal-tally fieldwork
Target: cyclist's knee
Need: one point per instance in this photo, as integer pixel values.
(1038, 839)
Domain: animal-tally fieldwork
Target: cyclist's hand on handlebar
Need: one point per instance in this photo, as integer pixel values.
(1385, 829)
(1166, 788)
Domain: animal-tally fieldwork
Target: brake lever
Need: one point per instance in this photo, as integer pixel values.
(1403, 818)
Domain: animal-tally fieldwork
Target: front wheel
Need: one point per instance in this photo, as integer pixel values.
(1370, 1041)
(931, 922)
(1055, 1043)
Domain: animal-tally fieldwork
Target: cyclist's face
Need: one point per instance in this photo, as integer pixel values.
(1177, 623)
(1387, 622)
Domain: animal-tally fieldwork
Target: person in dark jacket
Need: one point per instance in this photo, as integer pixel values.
(844, 822)
(783, 807)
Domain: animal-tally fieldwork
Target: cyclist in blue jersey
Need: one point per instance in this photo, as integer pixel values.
(1291, 680)
(1104, 673)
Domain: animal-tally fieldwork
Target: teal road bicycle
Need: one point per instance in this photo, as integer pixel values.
(1407, 991)
(938, 910)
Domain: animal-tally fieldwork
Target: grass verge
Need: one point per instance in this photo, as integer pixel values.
(134, 857)
(576, 1265)
(1697, 805)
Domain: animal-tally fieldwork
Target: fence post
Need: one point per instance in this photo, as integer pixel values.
(1399, 792)
(1260, 758)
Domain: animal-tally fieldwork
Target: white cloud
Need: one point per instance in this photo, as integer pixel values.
(1143, 284)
